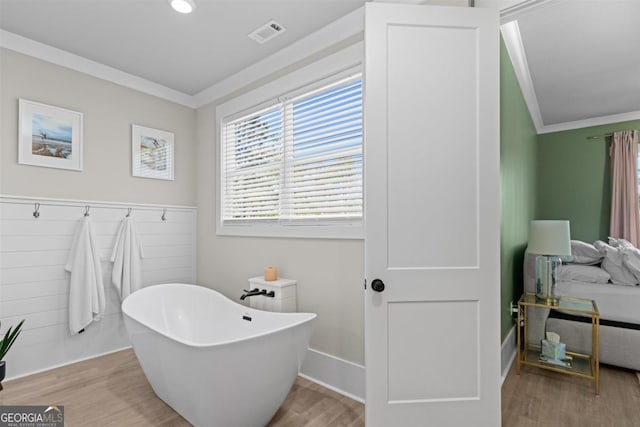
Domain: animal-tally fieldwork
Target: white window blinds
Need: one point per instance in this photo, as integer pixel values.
(299, 161)
(252, 163)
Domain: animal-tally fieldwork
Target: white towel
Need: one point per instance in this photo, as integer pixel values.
(86, 290)
(127, 260)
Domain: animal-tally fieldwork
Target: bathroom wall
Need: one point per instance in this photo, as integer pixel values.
(109, 111)
(33, 283)
(330, 273)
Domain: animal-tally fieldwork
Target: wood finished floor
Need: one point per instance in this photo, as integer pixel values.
(537, 398)
(112, 391)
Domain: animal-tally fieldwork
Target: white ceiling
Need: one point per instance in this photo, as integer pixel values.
(578, 61)
(146, 38)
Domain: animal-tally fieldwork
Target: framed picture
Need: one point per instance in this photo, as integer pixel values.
(152, 153)
(49, 136)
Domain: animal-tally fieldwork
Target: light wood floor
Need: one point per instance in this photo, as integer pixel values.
(112, 391)
(538, 397)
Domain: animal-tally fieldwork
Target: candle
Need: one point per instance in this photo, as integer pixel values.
(270, 274)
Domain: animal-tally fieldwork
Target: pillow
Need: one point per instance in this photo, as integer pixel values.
(620, 243)
(613, 263)
(631, 260)
(583, 273)
(583, 253)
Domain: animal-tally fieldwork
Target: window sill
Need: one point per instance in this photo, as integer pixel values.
(346, 231)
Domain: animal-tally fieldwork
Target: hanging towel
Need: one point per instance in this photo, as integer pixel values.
(86, 289)
(127, 260)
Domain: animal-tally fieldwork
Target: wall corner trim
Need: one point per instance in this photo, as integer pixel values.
(335, 32)
(66, 363)
(348, 378)
(513, 42)
(339, 375)
(78, 63)
(593, 121)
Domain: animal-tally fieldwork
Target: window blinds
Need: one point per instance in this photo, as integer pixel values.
(297, 161)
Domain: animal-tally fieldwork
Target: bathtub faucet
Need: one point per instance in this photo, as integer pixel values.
(252, 292)
(256, 291)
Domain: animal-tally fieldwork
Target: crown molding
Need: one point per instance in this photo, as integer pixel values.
(69, 60)
(335, 32)
(510, 9)
(593, 121)
(515, 48)
(513, 42)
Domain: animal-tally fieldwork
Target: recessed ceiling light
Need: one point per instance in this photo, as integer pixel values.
(183, 6)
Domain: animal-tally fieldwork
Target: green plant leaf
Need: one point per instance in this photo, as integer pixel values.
(9, 338)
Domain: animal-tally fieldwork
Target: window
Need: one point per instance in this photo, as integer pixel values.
(296, 162)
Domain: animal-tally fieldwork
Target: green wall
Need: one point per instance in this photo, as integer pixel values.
(573, 179)
(559, 175)
(518, 182)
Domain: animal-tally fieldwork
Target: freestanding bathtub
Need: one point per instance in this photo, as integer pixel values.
(216, 362)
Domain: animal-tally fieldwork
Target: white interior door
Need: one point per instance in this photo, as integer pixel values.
(432, 339)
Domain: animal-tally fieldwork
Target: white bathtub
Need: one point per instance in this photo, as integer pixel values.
(206, 359)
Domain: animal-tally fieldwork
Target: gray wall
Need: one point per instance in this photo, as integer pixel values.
(330, 273)
(109, 110)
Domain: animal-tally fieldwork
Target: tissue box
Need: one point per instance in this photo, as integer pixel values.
(554, 350)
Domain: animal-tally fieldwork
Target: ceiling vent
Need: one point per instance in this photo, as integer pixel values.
(267, 32)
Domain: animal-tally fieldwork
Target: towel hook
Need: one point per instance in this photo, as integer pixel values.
(164, 214)
(36, 212)
(129, 212)
(86, 210)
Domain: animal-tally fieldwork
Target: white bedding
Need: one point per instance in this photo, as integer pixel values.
(615, 302)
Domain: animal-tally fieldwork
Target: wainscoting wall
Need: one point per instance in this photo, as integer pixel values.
(35, 286)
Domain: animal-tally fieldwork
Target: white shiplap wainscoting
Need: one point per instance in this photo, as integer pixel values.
(35, 286)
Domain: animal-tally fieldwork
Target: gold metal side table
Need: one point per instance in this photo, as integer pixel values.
(583, 365)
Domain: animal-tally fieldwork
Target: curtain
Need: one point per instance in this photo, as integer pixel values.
(625, 214)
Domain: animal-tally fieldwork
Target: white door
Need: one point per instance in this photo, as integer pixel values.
(432, 338)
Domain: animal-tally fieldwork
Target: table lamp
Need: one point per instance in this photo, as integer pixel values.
(549, 239)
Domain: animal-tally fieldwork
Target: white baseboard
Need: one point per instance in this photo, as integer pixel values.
(339, 375)
(508, 353)
(336, 374)
(348, 378)
(60, 365)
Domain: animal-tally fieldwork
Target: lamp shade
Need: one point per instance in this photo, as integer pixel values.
(549, 238)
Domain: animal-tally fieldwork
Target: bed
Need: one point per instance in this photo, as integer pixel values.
(617, 296)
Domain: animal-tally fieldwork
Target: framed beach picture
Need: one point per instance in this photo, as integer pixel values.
(49, 136)
(152, 153)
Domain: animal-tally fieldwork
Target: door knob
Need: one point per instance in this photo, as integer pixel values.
(377, 285)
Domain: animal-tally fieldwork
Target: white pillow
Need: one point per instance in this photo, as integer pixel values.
(620, 243)
(613, 263)
(583, 253)
(583, 273)
(631, 260)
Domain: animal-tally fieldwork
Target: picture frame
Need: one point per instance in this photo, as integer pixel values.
(152, 153)
(49, 136)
